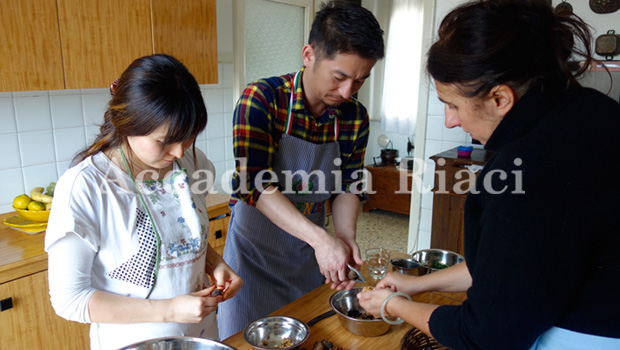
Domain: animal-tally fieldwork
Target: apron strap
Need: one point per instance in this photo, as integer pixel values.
(289, 115)
(148, 214)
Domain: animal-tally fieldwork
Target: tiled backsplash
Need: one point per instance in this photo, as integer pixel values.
(41, 131)
(438, 139)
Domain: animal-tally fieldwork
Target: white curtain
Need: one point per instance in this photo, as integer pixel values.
(402, 67)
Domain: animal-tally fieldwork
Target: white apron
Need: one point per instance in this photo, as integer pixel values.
(275, 266)
(173, 221)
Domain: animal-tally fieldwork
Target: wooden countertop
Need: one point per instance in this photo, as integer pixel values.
(217, 204)
(317, 302)
(22, 254)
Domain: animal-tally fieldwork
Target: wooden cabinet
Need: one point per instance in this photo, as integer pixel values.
(77, 44)
(391, 189)
(188, 31)
(219, 217)
(30, 57)
(101, 38)
(31, 323)
(453, 180)
(27, 320)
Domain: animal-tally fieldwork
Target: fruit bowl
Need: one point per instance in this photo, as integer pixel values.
(34, 215)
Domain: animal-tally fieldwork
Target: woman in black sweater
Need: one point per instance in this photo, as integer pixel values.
(542, 228)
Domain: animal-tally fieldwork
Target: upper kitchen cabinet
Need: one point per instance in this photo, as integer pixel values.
(30, 57)
(81, 44)
(188, 31)
(101, 38)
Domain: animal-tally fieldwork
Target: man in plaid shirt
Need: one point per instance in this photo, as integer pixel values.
(299, 140)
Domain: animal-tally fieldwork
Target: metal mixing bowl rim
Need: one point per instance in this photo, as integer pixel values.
(393, 261)
(296, 320)
(331, 304)
(435, 250)
(179, 337)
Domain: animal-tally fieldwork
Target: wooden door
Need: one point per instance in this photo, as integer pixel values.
(30, 57)
(32, 323)
(188, 31)
(101, 38)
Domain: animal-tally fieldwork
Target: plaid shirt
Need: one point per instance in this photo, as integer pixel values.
(259, 122)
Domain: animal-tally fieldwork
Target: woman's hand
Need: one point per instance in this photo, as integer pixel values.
(226, 279)
(371, 300)
(193, 307)
(397, 282)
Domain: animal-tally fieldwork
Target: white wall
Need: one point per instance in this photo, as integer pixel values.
(224, 10)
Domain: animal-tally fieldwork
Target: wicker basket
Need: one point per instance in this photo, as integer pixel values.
(415, 339)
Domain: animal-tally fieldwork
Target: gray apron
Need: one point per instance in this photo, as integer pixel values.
(275, 266)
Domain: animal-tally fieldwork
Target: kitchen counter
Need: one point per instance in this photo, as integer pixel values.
(317, 302)
(20, 253)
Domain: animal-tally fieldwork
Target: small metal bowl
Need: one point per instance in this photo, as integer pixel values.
(346, 301)
(272, 332)
(406, 267)
(185, 343)
(429, 257)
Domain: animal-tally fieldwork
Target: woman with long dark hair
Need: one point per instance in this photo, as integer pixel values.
(127, 239)
(541, 227)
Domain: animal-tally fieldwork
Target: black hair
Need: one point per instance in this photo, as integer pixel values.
(153, 91)
(345, 27)
(518, 43)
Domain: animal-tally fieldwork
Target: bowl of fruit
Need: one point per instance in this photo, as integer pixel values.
(36, 206)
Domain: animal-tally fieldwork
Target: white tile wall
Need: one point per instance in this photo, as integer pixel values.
(32, 112)
(41, 131)
(7, 115)
(438, 139)
(10, 150)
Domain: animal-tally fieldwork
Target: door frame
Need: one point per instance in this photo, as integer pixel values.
(239, 36)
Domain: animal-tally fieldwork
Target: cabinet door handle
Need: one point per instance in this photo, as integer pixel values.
(6, 304)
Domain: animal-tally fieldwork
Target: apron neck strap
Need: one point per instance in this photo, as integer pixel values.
(148, 214)
(289, 115)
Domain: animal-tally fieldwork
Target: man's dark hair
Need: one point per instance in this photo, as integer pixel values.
(345, 27)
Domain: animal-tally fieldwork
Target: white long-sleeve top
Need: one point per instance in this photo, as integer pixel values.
(100, 237)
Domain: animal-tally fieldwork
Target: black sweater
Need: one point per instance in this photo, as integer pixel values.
(544, 251)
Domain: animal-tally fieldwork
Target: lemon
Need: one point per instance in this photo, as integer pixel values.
(21, 201)
(36, 206)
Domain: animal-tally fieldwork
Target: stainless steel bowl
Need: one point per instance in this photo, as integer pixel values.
(345, 301)
(429, 257)
(407, 267)
(178, 343)
(272, 331)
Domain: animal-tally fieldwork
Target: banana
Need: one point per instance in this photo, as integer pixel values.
(37, 195)
(48, 206)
